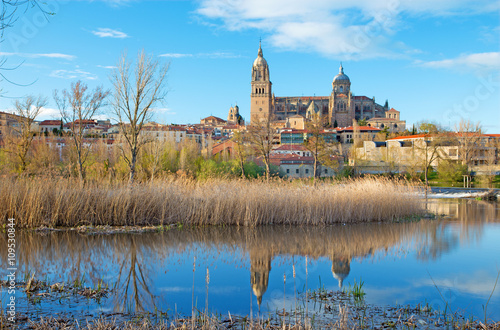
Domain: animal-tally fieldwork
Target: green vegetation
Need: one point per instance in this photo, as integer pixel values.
(356, 291)
(450, 171)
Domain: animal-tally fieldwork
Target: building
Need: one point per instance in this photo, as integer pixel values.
(234, 117)
(411, 152)
(49, 125)
(391, 122)
(338, 109)
(299, 136)
(361, 133)
(7, 120)
(212, 121)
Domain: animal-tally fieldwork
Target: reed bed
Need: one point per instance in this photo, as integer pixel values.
(66, 203)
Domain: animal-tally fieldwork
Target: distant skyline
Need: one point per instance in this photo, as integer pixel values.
(433, 60)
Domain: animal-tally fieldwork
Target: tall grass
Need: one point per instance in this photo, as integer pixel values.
(65, 203)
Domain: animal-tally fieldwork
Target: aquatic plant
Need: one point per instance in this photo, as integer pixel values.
(37, 203)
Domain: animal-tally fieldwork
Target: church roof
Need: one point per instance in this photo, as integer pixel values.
(376, 119)
(393, 110)
(260, 60)
(214, 118)
(341, 77)
(359, 128)
(364, 98)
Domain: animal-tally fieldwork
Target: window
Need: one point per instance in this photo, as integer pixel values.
(287, 171)
(297, 171)
(326, 171)
(307, 171)
(452, 152)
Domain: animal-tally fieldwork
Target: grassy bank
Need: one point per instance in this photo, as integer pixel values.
(65, 203)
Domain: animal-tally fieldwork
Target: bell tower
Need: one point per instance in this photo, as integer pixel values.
(261, 95)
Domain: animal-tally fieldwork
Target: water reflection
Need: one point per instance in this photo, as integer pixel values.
(134, 265)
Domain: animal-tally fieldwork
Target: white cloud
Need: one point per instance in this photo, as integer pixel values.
(176, 55)
(46, 55)
(49, 113)
(166, 111)
(110, 67)
(202, 55)
(73, 74)
(479, 61)
(357, 28)
(109, 33)
(479, 283)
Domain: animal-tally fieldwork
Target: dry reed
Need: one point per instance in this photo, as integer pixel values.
(66, 203)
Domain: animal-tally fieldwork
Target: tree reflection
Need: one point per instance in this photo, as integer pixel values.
(131, 289)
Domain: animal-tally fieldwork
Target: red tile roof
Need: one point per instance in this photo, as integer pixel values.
(214, 118)
(365, 98)
(393, 110)
(416, 136)
(359, 128)
(50, 123)
(291, 147)
(296, 158)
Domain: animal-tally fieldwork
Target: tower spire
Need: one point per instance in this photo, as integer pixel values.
(260, 48)
(341, 69)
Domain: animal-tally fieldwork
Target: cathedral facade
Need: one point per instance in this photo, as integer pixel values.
(340, 108)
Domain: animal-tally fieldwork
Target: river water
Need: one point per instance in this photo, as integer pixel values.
(451, 263)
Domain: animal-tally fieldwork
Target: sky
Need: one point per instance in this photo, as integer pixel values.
(433, 60)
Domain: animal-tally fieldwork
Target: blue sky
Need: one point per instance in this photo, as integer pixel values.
(433, 60)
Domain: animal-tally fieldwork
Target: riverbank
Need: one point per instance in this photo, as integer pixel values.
(344, 309)
(52, 203)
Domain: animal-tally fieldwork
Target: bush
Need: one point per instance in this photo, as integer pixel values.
(451, 171)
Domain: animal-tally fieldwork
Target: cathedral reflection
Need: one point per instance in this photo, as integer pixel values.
(260, 266)
(341, 267)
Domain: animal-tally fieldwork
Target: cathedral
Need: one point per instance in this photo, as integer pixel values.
(340, 108)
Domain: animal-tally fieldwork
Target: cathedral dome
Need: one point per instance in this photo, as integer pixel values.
(341, 77)
(260, 60)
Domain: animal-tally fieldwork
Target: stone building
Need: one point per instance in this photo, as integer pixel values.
(234, 117)
(7, 120)
(391, 121)
(338, 109)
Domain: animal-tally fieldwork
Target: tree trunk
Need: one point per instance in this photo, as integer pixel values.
(132, 169)
(315, 170)
(80, 166)
(242, 165)
(425, 174)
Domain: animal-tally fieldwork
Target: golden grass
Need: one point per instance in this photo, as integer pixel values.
(65, 203)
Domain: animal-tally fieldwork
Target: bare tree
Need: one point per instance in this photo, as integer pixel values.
(78, 106)
(21, 135)
(315, 143)
(469, 137)
(240, 147)
(261, 135)
(9, 13)
(151, 158)
(135, 95)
